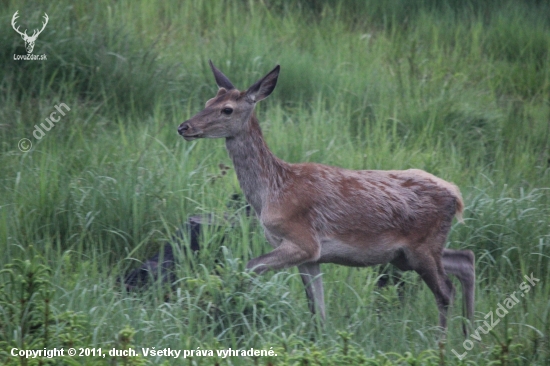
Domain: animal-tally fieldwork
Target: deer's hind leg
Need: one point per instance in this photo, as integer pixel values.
(461, 263)
(433, 274)
(428, 264)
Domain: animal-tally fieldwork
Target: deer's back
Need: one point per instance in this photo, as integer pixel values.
(347, 203)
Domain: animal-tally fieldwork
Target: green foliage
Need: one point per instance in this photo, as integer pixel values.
(25, 296)
(458, 88)
(30, 320)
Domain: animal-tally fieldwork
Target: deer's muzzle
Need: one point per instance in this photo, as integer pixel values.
(187, 132)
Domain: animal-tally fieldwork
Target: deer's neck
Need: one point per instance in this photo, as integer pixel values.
(258, 170)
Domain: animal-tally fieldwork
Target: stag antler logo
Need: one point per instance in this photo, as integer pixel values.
(29, 41)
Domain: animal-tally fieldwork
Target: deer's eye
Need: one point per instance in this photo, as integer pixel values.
(227, 111)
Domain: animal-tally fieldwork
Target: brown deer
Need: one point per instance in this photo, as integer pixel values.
(313, 213)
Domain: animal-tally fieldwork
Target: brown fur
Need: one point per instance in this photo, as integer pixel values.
(315, 213)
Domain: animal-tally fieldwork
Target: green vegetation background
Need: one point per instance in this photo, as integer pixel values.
(458, 88)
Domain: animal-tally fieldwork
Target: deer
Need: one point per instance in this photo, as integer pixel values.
(29, 41)
(313, 214)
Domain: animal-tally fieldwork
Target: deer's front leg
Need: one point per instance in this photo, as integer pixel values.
(275, 241)
(311, 276)
(287, 254)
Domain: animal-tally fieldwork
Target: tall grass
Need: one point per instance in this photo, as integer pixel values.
(460, 89)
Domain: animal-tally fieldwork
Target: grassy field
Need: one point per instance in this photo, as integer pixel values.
(460, 89)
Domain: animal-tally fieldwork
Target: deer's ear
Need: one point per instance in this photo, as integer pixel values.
(221, 79)
(263, 87)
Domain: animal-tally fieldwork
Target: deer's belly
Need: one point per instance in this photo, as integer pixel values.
(357, 255)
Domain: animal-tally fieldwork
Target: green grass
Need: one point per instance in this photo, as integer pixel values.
(460, 89)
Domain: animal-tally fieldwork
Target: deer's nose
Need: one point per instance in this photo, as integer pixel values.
(183, 127)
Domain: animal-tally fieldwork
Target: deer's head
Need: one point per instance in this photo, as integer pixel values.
(226, 115)
(29, 40)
